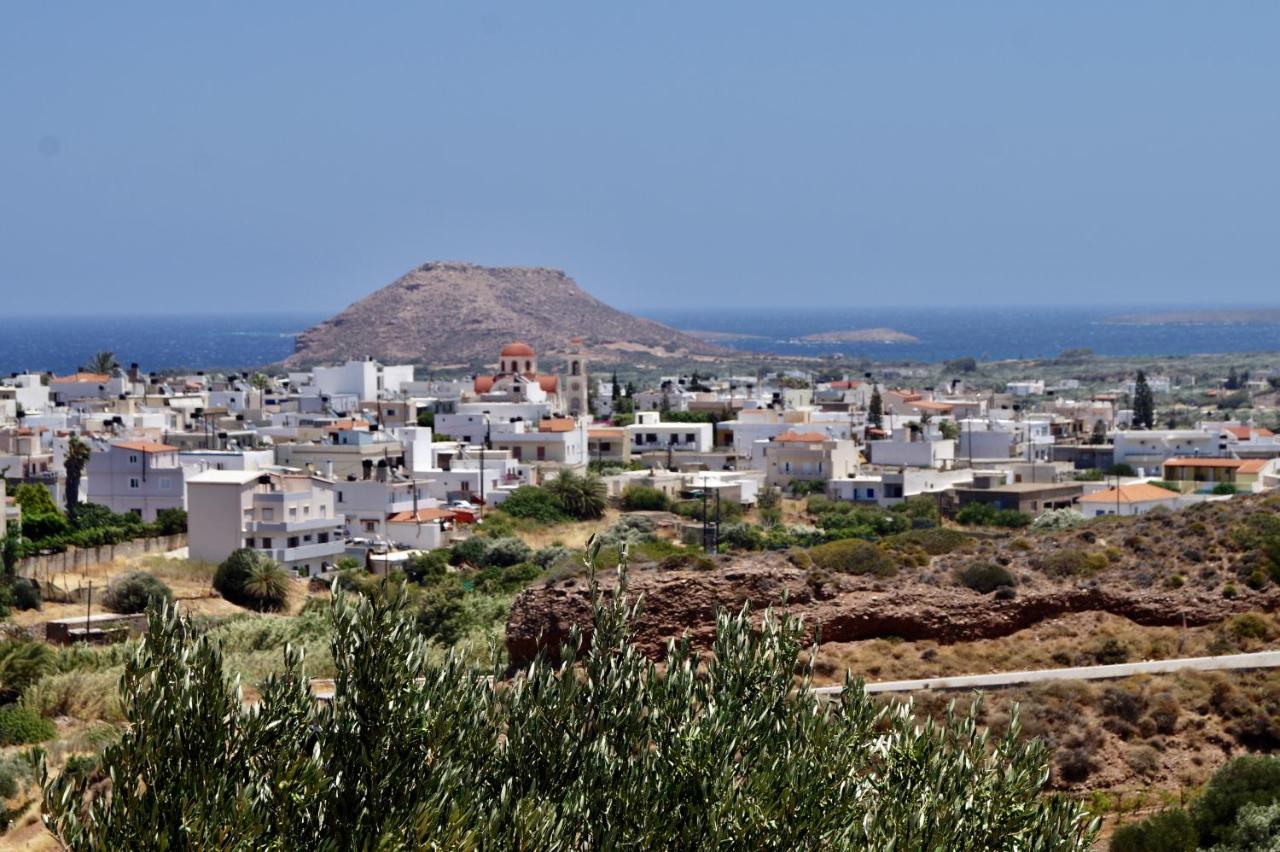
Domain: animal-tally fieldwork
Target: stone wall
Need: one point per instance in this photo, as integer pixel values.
(40, 568)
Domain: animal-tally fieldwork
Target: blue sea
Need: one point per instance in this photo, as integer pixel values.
(984, 333)
(211, 342)
(196, 342)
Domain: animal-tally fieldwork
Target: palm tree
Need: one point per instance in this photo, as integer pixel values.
(102, 362)
(267, 586)
(261, 381)
(583, 497)
(77, 457)
(22, 663)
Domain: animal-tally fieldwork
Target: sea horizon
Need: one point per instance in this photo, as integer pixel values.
(230, 341)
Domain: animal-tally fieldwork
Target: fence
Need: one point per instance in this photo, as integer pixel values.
(40, 568)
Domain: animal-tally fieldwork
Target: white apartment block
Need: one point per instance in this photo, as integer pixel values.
(287, 517)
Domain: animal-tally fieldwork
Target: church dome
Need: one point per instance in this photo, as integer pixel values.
(517, 350)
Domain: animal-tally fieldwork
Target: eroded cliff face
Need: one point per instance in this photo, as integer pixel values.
(450, 314)
(914, 606)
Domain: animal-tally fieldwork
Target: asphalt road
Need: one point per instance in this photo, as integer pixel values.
(1259, 660)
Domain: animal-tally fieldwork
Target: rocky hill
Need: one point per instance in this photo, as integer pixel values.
(460, 314)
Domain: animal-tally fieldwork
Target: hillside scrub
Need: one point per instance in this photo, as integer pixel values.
(1237, 811)
(853, 556)
(725, 750)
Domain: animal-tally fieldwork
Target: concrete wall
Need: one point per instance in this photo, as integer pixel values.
(77, 559)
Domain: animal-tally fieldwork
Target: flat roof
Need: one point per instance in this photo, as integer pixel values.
(225, 477)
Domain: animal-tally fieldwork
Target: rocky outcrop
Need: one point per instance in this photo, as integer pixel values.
(460, 314)
(843, 609)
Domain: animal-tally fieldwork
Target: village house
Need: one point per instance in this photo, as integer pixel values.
(1134, 499)
(807, 457)
(289, 517)
(608, 444)
(921, 446)
(1191, 475)
(141, 476)
(1146, 450)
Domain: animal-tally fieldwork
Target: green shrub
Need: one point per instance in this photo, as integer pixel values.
(987, 515)
(920, 507)
(249, 579)
(985, 577)
(1166, 831)
(171, 521)
(24, 593)
(641, 498)
(853, 556)
(491, 552)
(741, 537)
(135, 592)
(535, 504)
(19, 726)
(1248, 780)
(935, 542)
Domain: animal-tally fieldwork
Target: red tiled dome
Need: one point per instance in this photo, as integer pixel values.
(517, 350)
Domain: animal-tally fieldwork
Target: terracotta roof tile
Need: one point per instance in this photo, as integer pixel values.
(145, 447)
(1142, 492)
(423, 516)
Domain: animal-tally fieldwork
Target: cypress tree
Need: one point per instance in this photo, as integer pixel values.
(875, 410)
(1144, 405)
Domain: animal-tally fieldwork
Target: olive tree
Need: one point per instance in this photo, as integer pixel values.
(590, 746)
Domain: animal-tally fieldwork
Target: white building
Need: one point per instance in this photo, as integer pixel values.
(1146, 450)
(365, 380)
(142, 477)
(649, 436)
(288, 517)
(924, 447)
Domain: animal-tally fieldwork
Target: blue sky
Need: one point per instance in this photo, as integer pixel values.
(274, 156)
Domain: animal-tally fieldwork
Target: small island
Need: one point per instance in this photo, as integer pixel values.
(861, 335)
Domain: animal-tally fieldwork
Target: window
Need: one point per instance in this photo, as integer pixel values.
(542, 453)
(339, 496)
(690, 438)
(304, 571)
(164, 483)
(306, 511)
(292, 541)
(605, 446)
(134, 483)
(266, 542)
(268, 514)
(293, 513)
(323, 538)
(133, 459)
(871, 494)
(307, 537)
(370, 526)
(248, 542)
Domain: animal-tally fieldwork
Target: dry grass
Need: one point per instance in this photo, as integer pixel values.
(1070, 640)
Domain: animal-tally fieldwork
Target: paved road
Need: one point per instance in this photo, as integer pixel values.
(1259, 660)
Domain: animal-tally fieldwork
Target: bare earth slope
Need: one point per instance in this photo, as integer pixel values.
(462, 314)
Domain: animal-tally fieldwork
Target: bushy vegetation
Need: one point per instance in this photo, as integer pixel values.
(136, 591)
(1057, 519)
(841, 519)
(568, 496)
(411, 752)
(853, 556)
(641, 498)
(19, 726)
(1237, 811)
(252, 580)
(986, 515)
(46, 529)
(985, 577)
(485, 552)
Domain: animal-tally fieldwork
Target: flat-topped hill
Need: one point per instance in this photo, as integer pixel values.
(461, 314)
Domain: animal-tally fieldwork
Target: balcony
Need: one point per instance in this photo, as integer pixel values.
(292, 526)
(329, 550)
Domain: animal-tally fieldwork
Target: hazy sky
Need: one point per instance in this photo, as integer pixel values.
(271, 155)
